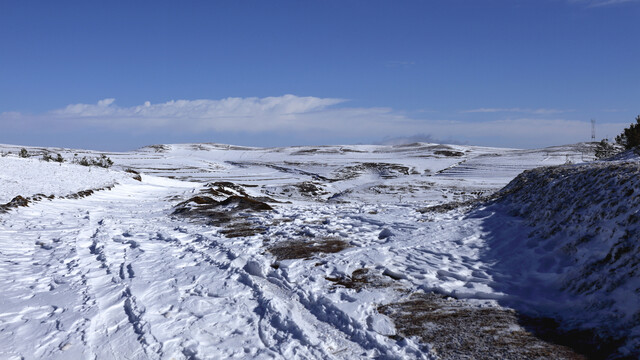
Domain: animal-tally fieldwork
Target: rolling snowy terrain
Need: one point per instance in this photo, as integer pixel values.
(411, 251)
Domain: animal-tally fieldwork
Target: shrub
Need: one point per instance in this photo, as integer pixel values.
(630, 137)
(58, 158)
(84, 161)
(46, 157)
(136, 175)
(23, 153)
(102, 161)
(605, 149)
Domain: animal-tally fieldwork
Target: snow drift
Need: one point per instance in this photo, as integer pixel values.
(564, 242)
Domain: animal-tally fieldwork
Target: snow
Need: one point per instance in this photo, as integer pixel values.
(123, 273)
(27, 177)
(575, 236)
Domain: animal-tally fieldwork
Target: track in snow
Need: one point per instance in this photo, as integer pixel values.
(115, 275)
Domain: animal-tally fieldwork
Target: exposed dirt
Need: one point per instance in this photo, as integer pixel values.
(401, 189)
(228, 214)
(306, 249)
(446, 207)
(308, 188)
(17, 201)
(459, 330)
(320, 150)
(305, 152)
(158, 148)
(205, 206)
(284, 169)
(225, 188)
(20, 201)
(245, 203)
(384, 170)
(136, 175)
(242, 228)
(449, 153)
(348, 150)
(361, 279)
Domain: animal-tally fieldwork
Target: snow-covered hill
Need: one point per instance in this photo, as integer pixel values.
(309, 252)
(565, 242)
(28, 177)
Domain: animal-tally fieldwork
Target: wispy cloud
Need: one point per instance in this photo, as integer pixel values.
(288, 113)
(516, 110)
(417, 138)
(521, 132)
(601, 3)
(244, 114)
(300, 119)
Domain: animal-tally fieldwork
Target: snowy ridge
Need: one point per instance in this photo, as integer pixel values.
(564, 241)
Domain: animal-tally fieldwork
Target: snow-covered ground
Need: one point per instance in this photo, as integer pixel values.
(305, 252)
(26, 177)
(564, 243)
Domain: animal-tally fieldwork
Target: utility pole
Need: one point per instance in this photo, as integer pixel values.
(593, 129)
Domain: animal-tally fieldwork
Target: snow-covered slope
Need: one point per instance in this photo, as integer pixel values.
(572, 248)
(299, 252)
(28, 177)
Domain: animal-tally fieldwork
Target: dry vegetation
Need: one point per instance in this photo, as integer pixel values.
(457, 330)
(361, 279)
(306, 249)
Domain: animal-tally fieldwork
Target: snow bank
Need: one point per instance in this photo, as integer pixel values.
(27, 177)
(571, 247)
(629, 155)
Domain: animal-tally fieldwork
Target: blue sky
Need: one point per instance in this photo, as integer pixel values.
(117, 75)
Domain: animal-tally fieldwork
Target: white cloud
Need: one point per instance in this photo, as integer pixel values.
(601, 3)
(423, 138)
(526, 132)
(106, 102)
(284, 113)
(609, 2)
(541, 111)
(311, 119)
(490, 110)
(197, 113)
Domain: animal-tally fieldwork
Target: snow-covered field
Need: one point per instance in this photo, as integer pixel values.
(319, 252)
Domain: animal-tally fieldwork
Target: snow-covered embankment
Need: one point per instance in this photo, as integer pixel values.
(564, 242)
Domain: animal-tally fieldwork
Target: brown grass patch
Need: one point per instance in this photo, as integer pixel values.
(306, 249)
(449, 153)
(228, 214)
(240, 229)
(20, 201)
(360, 279)
(459, 330)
